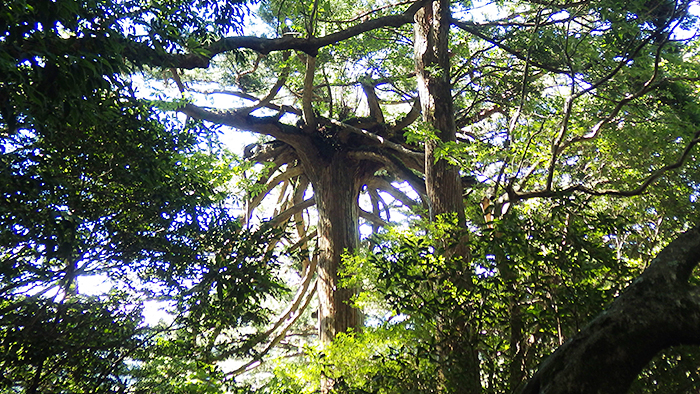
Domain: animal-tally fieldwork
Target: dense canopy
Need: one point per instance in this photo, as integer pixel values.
(441, 196)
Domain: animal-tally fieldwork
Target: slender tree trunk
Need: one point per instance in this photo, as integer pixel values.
(34, 387)
(443, 184)
(517, 346)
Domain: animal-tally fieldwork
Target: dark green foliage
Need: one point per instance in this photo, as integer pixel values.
(67, 346)
(535, 279)
(94, 182)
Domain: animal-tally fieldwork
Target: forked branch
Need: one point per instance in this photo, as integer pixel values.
(516, 195)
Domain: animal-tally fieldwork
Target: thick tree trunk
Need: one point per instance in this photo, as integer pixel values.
(336, 179)
(460, 370)
(658, 310)
(336, 188)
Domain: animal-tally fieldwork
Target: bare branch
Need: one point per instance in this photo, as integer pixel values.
(288, 213)
(261, 125)
(371, 217)
(178, 81)
(307, 98)
(375, 111)
(265, 101)
(564, 127)
(407, 120)
(385, 186)
(247, 96)
(648, 86)
(374, 199)
(306, 238)
(526, 72)
(516, 196)
(284, 176)
(252, 70)
(558, 146)
(296, 301)
(395, 166)
(625, 61)
(249, 365)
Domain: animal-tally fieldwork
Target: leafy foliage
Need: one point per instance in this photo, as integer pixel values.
(96, 183)
(560, 108)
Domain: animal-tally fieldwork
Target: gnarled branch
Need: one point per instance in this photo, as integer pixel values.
(658, 310)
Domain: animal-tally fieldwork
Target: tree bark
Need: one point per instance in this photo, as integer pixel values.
(337, 187)
(336, 177)
(460, 363)
(658, 310)
(443, 183)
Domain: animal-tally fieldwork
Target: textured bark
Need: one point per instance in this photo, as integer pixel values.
(460, 363)
(444, 186)
(658, 310)
(336, 179)
(336, 189)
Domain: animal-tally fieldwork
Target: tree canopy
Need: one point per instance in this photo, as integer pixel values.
(445, 196)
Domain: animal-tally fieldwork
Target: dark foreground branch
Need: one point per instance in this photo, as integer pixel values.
(142, 53)
(658, 310)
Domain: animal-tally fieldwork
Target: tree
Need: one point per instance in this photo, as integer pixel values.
(95, 182)
(542, 102)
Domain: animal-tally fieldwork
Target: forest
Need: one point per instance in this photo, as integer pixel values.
(330, 196)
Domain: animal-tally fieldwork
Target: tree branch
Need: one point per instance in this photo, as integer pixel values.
(648, 86)
(473, 29)
(381, 141)
(407, 120)
(385, 186)
(289, 212)
(365, 15)
(658, 310)
(374, 218)
(247, 366)
(307, 97)
(395, 166)
(296, 301)
(284, 176)
(517, 196)
(281, 80)
(242, 121)
(141, 53)
(247, 96)
(375, 111)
